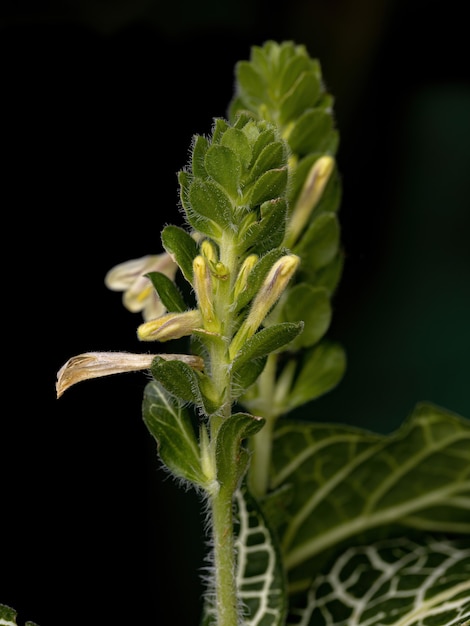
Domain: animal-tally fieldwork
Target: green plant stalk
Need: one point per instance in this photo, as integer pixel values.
(221, 500)
(261, 443)
(226, 598)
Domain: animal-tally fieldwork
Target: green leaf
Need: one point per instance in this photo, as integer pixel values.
(312, 306)
(269, 186)
(8, 617)
(178, 378)
(348, 484)
(320, 243)
(302, 95)
(395, 582)
(321, 369)
(232, 458)
(209, 201)
(246, 375)
(236, 140)
(268, 232)
(182, 246)
(266, 341)
(271, 156)
(224, 166)
(168, 292)
(170, 424)
(313, 132)
(200, 146)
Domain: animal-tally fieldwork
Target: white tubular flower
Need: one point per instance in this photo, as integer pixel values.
(139, 294)
(97, 364)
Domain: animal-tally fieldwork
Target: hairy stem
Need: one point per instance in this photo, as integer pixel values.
(226, 602)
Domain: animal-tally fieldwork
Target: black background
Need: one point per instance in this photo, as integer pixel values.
(100, 101)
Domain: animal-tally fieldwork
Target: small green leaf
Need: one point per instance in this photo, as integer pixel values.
(209, 201)
(246, 375)
(200, 147)
(182, 247)
(314, 132)
(320, 243)
(236, 140)
(178, 378)
(171, 425)
(273, 156)
(270, 185)
(168, 292)
(224, 166)
(266, 341)
(268, 232)
(321, 369)
(312, 306)
(302, 95)
(396, 581)
(232, 458)
(293, 68)
(250, 83)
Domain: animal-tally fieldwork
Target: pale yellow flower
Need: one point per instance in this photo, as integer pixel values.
(138, 292)
(171, 326)
(97, 364)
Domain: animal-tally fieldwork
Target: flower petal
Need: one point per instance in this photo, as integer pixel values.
(97, 364)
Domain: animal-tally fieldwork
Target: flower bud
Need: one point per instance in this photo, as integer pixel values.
(203, 288)
(170, 326)
(273, 286)
(309, 196)
(242, 277)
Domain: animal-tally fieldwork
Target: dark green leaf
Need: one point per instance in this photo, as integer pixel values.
(268, 232)
(168, 292)
(232, 458)
(182, 247)
(178, 378)
(266, 341)
(200, 147)
(170, 423)
(412, 582)
(269, 186)
(209, 201)
(224, 166)
(369, 486)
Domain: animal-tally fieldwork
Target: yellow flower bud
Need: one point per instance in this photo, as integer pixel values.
(242, 278)
(273, 286)
(309, 196)
(203, 289)
(170, 326)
